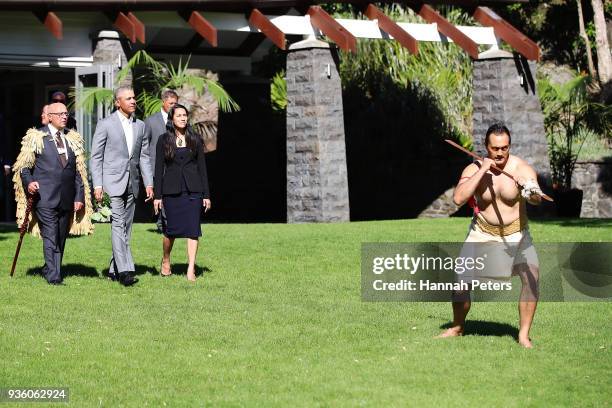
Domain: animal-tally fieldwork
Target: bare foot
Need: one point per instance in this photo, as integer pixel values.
(191, 277)
(525, 342)
(165, 268)
(452, 332)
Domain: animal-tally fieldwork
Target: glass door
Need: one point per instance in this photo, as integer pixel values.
(86, 81)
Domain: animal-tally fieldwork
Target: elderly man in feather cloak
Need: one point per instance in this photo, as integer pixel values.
(51, 167)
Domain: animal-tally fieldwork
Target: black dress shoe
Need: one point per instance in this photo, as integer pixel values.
(126, 279)
(113, 276)
(56, 282)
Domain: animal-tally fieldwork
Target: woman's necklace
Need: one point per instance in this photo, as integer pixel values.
(180, 141)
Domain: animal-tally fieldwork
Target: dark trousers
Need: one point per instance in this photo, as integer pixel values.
(53, 223)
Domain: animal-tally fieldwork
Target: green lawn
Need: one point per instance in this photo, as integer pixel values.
(276, 319)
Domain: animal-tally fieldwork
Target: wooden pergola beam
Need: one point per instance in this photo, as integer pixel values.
(445, 27)
(139, 27)
(126, 26)
(390, 27)
(203, 27)
(508, 33)
(52, 22)
(259, 20)
(331, 28)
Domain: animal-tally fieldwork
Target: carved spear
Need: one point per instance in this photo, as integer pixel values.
(22, 231)
(464, 150)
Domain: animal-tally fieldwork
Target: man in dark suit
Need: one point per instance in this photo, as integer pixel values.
(59, 185)
(155, 126)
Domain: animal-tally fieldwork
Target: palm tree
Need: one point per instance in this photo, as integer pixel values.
(569, 116)
(155, 77)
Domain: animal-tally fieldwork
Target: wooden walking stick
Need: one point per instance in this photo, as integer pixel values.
(22, 231)
(464, 150)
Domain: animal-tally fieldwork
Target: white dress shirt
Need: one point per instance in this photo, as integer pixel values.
(54, 131)
(164, 115)
(126, 123)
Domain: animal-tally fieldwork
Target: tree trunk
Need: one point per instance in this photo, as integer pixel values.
(203, 109)
(587, 42)
(604, 59)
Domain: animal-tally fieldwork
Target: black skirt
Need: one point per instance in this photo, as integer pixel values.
(183, 215)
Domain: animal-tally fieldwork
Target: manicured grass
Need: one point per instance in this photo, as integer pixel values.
(276, 319)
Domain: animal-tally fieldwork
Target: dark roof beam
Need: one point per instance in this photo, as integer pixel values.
(238, 6)
(195, 42)
(202, 26)
(52, 22)
(250, 44)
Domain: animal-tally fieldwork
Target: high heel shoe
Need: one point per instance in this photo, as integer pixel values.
(161, 269)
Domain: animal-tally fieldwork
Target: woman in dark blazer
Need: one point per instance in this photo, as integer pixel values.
(181, 186)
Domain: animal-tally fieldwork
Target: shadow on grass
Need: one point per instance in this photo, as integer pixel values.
(484, 328)
(139, 270)
(7, 228)
(177, 269)
(181, 269)
(70, 270)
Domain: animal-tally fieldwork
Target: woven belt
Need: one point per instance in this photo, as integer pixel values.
(501, 230)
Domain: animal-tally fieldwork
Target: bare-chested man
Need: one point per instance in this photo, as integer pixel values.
(500, 216)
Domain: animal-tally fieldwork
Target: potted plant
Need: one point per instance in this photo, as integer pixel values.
(103, 211)
(568, 114)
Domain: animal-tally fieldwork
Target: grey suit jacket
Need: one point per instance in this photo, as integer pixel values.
(111, 166)
(155, 127)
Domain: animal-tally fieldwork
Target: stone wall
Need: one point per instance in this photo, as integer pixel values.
(108, 49)
(595, 181)
(442, 207)
(504, 90)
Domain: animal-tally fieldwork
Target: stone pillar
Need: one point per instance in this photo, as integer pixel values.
(317, 185)
(108, 50)
(595, 181)
(505, 90)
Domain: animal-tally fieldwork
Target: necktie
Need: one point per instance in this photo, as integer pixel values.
(60, 148)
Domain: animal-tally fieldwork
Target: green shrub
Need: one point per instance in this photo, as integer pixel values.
(443, 71)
